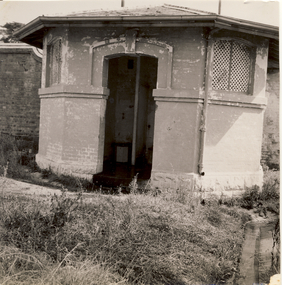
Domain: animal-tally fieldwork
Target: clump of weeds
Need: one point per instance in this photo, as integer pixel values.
(139, 239)
(159, 237)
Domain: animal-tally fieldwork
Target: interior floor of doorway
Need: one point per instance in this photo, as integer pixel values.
(121, 174)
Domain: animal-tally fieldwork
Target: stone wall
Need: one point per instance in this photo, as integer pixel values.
(270, 144)
(20, 79)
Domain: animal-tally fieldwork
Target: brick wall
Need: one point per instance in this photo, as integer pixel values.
(270, 145)
(20, 79)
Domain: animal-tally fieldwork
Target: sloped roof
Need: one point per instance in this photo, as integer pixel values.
(164, 10)
(158, 16)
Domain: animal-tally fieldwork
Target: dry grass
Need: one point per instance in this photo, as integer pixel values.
(132, 239)
(161, 237)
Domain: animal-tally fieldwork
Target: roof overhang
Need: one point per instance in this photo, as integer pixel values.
(33, 32)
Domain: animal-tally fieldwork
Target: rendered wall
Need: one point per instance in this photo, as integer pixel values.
(83, 74)
(232, 150)
(233, 133)
(70, 129)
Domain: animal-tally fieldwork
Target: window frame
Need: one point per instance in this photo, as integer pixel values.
(50, 67)
(252, 49)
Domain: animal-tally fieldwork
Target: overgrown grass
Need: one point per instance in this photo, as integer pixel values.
(136, 239)
(268, 199)
(16, 161)
(161, 237)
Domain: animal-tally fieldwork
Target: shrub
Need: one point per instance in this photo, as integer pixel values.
(266, 199)
(250, 197)
(9, 155)
(15, 154)
(271, 185)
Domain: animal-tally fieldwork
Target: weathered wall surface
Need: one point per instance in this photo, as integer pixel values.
(234, 129)
(270, 147)
(234, 120)
(20, 79)
(81, 68)
(226, 149)
(188, 54)
(70, 129)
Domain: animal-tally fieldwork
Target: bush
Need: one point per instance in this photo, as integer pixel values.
(9, 156)
(271, 185)
(250, 197)
(263, 200)
(14, 154)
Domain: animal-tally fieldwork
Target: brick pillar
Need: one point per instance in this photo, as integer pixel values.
(72, 127)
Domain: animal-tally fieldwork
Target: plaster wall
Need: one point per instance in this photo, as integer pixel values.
(232, 149)
(176, 137)
(79, 64)
(70, 129)
(234, 120)
(233, 139)
(188, 54)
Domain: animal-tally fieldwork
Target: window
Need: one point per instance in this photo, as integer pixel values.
(54, 63)
(231, 66)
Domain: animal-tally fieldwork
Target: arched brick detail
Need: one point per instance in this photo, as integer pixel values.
(102, 51)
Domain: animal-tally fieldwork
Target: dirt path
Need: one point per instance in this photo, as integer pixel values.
(11, 186)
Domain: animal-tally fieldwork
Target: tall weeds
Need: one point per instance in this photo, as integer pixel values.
(140, 238)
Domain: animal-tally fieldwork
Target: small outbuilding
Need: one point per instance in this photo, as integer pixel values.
(173, 92)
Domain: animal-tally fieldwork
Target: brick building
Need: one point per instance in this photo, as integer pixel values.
(271, 141)
(176, 91)
(20, 79)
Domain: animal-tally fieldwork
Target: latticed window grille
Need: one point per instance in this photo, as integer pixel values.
(55, 62)
(231, 66)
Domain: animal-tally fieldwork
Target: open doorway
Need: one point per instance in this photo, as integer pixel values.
(130, 114)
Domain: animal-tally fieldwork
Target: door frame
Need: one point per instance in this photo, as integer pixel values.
(101, 52)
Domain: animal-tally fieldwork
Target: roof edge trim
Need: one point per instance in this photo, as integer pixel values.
(49, 22)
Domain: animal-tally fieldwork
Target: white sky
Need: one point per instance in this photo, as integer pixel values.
(25, 11)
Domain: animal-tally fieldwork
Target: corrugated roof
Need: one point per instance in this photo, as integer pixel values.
(164, 10)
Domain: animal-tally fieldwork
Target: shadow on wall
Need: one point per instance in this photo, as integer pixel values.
(236, 123)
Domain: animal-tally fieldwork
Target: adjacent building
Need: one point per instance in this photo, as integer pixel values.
(20, 79)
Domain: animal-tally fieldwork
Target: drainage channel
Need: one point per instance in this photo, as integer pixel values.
(257, 252)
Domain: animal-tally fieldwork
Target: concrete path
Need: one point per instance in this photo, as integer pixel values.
(256, 253)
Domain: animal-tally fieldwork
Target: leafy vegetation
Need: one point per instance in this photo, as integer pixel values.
(9, 29)
(268, 199)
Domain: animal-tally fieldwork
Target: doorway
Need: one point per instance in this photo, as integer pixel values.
(130, 114)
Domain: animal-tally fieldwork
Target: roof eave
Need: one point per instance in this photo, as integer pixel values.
(142, 21)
